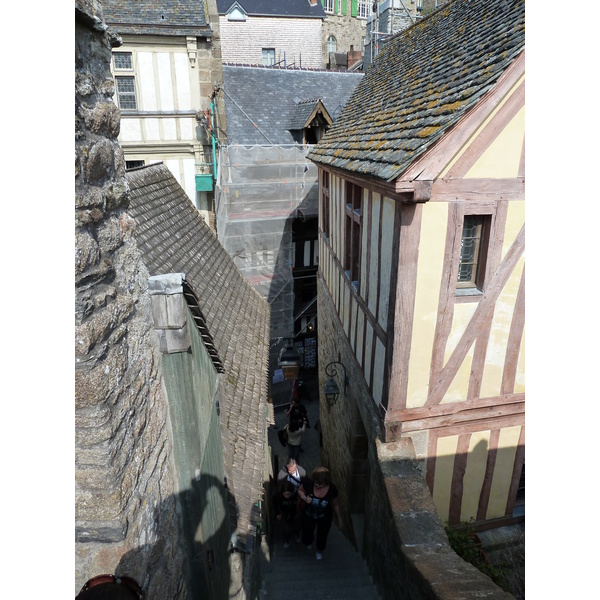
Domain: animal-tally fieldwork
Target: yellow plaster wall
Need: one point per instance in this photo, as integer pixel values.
(502, 158)
(520, 374)
(496, 351)
(431, 258)
(499, 159)
(505, 458)
(474, 474)
(457, 391)
(444, 467)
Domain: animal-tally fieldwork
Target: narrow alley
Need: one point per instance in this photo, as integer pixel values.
(294, 572)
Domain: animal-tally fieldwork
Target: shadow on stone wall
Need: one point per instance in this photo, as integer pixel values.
(205, 531)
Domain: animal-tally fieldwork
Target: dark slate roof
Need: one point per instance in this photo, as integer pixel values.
(269, 97)
(173, 238)
(272, 8)
(156, 17)
(423, 81)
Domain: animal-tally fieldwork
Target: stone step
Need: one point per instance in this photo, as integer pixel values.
(294, 572)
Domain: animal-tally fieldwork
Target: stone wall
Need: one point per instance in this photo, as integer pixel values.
(348, 31)
(405, 544)
(125, 510)
(300, 39)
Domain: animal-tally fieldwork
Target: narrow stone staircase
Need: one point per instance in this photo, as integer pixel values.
(294, 573)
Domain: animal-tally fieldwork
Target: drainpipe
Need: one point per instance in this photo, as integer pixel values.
(212, 136)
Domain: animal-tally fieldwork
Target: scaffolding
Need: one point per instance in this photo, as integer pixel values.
(259, 191)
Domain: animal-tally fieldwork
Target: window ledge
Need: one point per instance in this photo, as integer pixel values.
(468, 292)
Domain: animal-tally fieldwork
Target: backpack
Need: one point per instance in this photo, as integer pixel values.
(283, 436)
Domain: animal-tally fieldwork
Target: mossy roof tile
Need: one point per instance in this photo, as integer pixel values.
(423, 81)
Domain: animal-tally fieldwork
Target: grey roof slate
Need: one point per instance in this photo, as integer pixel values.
(173, 238)
(156, 17)
(423, 81)
(280, 8)
(270, 97)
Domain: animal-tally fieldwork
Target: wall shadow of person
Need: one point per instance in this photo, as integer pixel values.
(204, 519)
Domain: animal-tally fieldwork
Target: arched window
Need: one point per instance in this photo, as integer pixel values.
(331, 42)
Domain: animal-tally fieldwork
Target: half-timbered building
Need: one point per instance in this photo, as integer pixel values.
(421, 274)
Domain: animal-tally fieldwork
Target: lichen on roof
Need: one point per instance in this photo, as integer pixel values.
(423, 81)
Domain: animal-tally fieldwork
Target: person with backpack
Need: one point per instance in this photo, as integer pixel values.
(294, 431)
(293, 473)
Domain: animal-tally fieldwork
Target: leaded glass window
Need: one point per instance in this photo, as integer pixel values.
(126, 93)
(123, 60)
(473, 251)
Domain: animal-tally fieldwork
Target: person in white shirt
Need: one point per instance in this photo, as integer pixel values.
(293, 472)
(294, 431)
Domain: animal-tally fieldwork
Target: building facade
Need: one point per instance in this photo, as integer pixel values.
(284, 34)
(344, 29)
(165, 69)
(421, 268)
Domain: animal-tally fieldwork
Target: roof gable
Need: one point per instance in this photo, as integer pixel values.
(306, 111)
(236, 12)
(421, 84)
(269, 8)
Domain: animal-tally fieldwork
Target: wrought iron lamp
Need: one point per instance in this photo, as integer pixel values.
(331, 388)
(289, 360)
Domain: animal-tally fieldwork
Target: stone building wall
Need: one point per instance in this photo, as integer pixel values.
(348, 31)
(405, 544)
(300, 39)
(125, 510)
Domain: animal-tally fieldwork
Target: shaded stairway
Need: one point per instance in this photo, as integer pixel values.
(294, 573)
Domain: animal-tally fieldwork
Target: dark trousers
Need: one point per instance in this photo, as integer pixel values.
(294, 452)
(289, 527)
(323, 525)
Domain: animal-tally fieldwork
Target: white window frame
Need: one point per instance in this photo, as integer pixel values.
(123, 76)
(328, 6)
(331, 41)
(363, 9)
(267, 55)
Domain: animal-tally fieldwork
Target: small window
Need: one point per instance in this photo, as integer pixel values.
(331, 44)
(325, 204)
(328, 6)
(364, 9)
(268, 56)
(134, 164)
(126, 93)
(123, 60)
(354, 195)
(473, 252)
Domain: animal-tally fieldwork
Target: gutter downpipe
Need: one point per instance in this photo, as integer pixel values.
(212, 136)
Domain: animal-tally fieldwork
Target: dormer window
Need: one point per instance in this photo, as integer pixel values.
(236, 13)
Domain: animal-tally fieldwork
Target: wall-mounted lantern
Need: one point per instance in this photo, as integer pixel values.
(289, 360)
(331, 388)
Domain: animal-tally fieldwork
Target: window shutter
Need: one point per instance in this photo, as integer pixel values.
(354, 8)
(344, 7)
